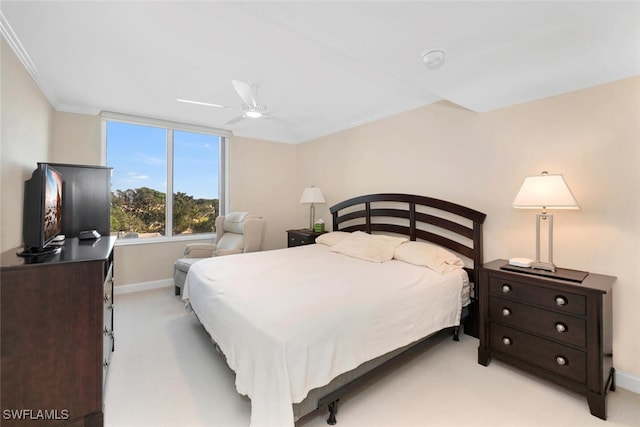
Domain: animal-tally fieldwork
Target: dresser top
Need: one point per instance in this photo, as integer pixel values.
(73, 250)
(593, 281)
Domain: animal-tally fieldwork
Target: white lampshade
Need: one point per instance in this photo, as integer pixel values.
(312, 195)
(545, 192)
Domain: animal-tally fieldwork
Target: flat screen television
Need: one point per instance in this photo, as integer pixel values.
(42, 217)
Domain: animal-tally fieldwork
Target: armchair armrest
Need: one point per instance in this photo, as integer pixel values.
(199, 250)
(221, 252)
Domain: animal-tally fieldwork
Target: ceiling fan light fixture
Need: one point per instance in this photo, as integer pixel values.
(433, 59)
(254, 111)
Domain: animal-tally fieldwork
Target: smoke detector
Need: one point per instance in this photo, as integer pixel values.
(433, 59)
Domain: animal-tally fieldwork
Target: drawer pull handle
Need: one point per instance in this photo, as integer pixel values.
(506, 289)
(506, 312)
(506, 341)
(561, 360)
(561, 327)
(560, 301)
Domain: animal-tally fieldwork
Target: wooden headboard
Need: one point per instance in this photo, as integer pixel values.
(447, 224)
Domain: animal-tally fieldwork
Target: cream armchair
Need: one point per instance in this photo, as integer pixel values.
(236, 233)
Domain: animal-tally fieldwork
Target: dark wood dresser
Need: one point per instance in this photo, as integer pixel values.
(559, 330)
(301, 237)
(57, 334)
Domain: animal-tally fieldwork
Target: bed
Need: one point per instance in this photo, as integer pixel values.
(300, 326)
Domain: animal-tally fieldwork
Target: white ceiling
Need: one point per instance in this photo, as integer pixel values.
(322, 66)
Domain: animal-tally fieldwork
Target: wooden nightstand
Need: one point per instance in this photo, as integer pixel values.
(556, 329)
(302, 237)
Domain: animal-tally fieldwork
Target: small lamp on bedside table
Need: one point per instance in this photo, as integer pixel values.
(544, 192)
(312, 195)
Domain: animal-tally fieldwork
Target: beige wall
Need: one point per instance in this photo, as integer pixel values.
(591, 136)
(142, 263)
(26, 124)
(262, 180)
(77, 139)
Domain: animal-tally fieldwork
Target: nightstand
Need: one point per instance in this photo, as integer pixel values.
(559, 330)
(302, 237)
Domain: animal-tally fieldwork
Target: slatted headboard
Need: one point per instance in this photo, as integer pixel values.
(447, 224)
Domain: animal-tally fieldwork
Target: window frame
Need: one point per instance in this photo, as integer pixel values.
(170, 127)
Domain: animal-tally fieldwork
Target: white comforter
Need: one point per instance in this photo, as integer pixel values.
(290, 320)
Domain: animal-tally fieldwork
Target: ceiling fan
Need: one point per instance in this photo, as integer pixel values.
(251, 108)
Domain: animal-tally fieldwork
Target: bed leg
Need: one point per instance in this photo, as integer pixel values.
(333, 410)
(176, 290)
(456, 333)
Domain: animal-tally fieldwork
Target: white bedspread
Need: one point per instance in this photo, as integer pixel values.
(290, 320)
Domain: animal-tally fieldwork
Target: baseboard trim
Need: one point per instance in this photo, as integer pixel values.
(144, 286)
(627, 381)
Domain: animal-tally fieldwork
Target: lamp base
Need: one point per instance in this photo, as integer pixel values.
(541, 265)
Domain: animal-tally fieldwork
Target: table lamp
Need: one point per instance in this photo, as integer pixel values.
(544, 192)
(312, 195)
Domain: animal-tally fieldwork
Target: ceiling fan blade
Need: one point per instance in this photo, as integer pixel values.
(236, 120)
(245, 93)
(208, 104)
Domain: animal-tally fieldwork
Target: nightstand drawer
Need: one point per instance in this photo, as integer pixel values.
(559, 359)
(557, 326)
(300, 239)
(551, 298)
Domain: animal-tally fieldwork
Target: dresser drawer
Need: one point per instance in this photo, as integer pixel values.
(551, 298)
(557, 326)
(107, 325)
(557, 358)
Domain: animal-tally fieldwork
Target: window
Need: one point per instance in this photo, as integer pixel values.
(167, 178)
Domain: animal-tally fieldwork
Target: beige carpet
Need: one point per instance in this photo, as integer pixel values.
(165, 372)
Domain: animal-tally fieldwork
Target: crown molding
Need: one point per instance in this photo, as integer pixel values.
(17, 47)
(70, 108)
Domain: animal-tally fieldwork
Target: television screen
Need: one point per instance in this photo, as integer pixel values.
(42, 215)
(52, 222)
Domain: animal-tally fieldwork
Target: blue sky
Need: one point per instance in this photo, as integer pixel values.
(138, 156)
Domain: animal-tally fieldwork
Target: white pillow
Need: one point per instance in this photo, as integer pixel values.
(331, 238)
(375, 248)
(429, 255)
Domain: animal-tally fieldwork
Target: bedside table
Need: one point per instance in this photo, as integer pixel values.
(302, 237)
(559, 330)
